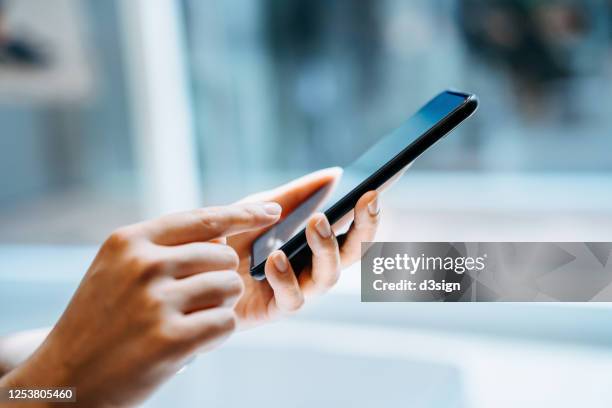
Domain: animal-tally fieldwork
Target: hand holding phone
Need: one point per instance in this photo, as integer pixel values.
(285, 290)
(371, 171)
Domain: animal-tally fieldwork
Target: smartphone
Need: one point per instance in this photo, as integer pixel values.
(385, 159)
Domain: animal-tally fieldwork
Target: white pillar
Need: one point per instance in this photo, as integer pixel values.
(164, 141)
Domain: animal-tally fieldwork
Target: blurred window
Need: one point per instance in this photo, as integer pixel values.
(286, 86)
(67, 172)
(283, 87)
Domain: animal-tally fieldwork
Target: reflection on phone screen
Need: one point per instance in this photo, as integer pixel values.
(373, 159)
(275, 237)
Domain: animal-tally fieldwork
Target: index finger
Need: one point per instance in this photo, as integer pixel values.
(204, 224)
(294, 193)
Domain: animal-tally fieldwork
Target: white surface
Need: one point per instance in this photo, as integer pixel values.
(340, 352)
(459, 370)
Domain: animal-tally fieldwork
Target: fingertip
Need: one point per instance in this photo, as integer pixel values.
(288, 296)
(367, 209)
(369, 196)
(261, 214)
(314, 218)
(319, 225)
(279, 261)
(325, 250)
(370, 202)
(367, 217)
(272, 209)
(278, 270)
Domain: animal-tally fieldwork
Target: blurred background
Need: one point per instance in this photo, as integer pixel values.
(115, 111)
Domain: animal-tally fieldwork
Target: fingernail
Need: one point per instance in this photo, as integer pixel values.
(374, 207)
(280, 262)
(272, 208)
(323, 228)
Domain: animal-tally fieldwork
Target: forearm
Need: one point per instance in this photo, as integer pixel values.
(13, 381)
(16, 348)
(30, 374)
(23, 365)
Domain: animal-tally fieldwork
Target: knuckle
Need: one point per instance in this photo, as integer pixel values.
(153, 267)
(119, 239)
(367, 221)
(160, 294)
(174, 332)
(333, 249)
(295, 303)
(215, 295)
(329, 279)
(226, 322)
(171, 333)
(148, 266)
(367, 226)
(222, 324)
(329, 249)
(250, 212)
(227, 290)
(209, 219)
(234, 286)
(332, 278)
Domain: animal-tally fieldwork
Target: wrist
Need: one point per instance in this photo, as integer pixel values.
(13, 380)
(42, 370)
(16, 348)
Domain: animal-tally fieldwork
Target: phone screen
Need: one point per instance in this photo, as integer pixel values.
(373, 159)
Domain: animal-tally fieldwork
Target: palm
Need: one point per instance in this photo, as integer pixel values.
(258, 304)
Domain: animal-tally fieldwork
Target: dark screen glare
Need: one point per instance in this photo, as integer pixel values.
(393, 143)
(374, 158)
